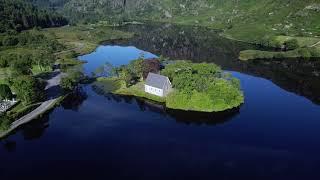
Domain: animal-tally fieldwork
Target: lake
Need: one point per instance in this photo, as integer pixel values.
(274, 135)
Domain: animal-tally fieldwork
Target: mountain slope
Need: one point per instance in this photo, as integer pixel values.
(19, 15)
(259, 17)
(49, 4)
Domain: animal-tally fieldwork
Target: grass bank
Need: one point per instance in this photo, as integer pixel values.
(118, 86)
(303, 53)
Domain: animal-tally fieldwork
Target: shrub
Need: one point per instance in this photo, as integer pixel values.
(291, 44)
(3, 62)
(10, 41)
(304, 53)
(5, 92)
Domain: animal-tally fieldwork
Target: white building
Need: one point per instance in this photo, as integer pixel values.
(157, 85)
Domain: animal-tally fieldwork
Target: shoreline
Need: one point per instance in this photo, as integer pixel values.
(43, 108)
(99, 88)
(82, 48)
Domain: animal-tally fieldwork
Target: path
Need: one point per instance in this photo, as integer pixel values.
(29, 117)
(316, 44)
(53, 95)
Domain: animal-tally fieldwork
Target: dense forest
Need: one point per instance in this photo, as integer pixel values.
(19, 15)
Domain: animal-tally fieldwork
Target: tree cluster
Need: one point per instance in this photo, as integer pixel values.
(137, 70)
(19, 15)
(70, 82)
(28, 88)
(202, 87)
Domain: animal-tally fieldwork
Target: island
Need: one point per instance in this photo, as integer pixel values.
(180, 85)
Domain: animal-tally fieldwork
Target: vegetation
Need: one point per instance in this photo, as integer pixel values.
(247, 20)
(285, 25)
(118, 86)
(28, 56)
(28, 89)
(17, 15)
(202, 87)
(5, 92)
(197, 87)
(304, 53)
(72, 80)
(14, 114)
(82, 39)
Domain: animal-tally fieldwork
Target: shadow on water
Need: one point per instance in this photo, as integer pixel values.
(31, 131)
(9, 146)
(74, 100)
(36, 128)
(198, 44)
(203, 118)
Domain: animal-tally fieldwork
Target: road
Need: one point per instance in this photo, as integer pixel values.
(31, 116)
(53, 95)
(316, 44)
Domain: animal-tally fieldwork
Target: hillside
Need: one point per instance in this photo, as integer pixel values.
(49, 4)
(19, 15)
(249, 20)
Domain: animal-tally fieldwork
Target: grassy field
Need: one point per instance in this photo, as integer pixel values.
(302, 41)
(303, 53)
(117, 86)
(83, 39)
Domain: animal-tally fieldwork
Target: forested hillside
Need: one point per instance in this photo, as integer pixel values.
(19, 15)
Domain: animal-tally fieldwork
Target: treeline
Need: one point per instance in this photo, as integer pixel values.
(19, 15)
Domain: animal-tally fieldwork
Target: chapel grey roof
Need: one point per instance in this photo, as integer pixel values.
(156, 80)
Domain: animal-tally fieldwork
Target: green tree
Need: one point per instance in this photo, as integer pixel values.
(5, 92)
(136, 68)
(70, 82)
(28, 89)
(126, 75)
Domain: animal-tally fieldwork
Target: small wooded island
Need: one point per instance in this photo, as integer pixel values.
(181, 85)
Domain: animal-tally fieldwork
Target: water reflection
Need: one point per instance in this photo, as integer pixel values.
(298, 76)
(203, 118)
(74, 100)
(36, 129)
(186, 117)
(200, 44)
(9, 146)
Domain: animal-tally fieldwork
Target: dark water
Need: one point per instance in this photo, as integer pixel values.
(274, 135)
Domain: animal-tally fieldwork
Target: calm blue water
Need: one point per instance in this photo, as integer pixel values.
(275, 135)
(116, 55)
